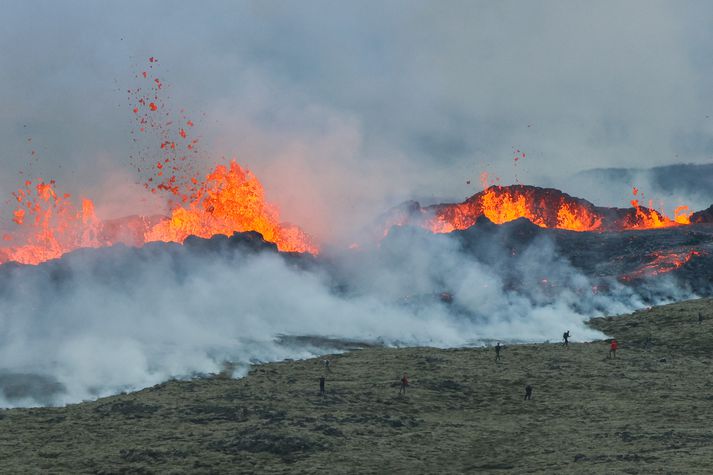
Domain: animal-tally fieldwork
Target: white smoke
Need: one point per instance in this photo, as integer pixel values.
(102, 322)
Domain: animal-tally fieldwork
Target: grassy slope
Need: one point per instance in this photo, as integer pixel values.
(649, 410)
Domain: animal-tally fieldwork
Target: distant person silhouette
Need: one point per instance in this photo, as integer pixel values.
(528, 392)
(497, 351)
(404, 383)
(565, 337)
(700, 318)
(612, 349)
(321, 385)
(326, 365)
(648, 342)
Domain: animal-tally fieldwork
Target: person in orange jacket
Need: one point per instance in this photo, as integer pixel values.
(612, 349)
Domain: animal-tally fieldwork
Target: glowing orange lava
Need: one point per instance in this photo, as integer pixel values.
(501, 204)
(232, 199)
(228, 199)
(662, 262)
(547, 208)
(49, 225)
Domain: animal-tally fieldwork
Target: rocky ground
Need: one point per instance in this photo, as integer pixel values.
(647, 411)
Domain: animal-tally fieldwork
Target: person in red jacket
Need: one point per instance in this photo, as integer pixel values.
(404, 383)
(612, 349)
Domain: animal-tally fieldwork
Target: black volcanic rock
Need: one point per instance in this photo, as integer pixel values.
(704, 216)
(250, 241)
(119, 262)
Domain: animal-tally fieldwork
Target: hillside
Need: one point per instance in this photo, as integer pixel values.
(681, 183)
(646, 411)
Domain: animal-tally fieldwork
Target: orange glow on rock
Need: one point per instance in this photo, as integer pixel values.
(231, 199)
(501, 204)
(647, 218)
(545, 207)
(662, 262)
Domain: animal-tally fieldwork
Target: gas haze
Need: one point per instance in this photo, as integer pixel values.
(343, 110)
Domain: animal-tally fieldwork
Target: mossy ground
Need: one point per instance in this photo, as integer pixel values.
(647, 411)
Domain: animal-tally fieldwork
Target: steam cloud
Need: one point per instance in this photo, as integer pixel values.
(103, 321)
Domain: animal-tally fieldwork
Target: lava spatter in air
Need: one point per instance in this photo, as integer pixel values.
(223, 201)
(48, 224)
(166, 156)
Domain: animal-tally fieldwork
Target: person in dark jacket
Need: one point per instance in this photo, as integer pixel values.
(497, 351)
(404, 383)
(528, 392)
(565, 337)
(321, 385)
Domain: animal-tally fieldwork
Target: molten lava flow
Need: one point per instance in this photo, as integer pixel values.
(232, 199)
(661, 263)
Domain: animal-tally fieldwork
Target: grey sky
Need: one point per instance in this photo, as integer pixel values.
(342, 108)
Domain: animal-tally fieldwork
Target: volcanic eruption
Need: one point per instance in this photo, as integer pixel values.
(228, 199)
(218, 267)
(545, 207)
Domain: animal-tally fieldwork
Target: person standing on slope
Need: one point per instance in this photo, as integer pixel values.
(404, 383)
(612, 349)
(528, 392)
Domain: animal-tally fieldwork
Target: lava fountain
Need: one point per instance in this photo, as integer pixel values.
(227, 199)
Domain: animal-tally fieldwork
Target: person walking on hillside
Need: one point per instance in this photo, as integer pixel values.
(497, 352)
(528, 392)
(321, 385)
(612, 349)
(565, 337)
(700, 318)
(404, 383)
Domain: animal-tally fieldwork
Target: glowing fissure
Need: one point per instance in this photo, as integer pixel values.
(231, 199)
(662, 262)
(546, 208)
